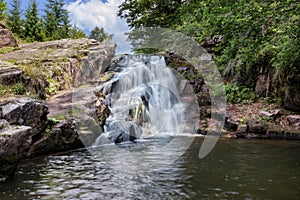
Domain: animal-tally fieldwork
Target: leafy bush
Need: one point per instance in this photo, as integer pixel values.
(239, 94)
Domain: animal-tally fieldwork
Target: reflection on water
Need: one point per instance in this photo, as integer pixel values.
(235, 169)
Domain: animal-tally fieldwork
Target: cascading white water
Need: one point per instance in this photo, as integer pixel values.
(143, 99)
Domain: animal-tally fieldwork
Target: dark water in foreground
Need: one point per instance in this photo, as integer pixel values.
(235, 169)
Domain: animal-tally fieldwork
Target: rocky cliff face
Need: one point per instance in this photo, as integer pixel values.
(41, 70)
(58, 65)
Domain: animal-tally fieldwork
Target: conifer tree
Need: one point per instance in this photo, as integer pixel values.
(15, 22)
(33, 25)
(57, 24)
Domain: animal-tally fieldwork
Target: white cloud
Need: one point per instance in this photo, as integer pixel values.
(88, 14)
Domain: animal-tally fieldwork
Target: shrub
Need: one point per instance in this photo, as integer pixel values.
(239, 94)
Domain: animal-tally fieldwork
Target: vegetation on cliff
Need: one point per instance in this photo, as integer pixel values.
(255, 43)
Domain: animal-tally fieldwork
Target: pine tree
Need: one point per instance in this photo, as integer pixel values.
(15, 22)
(33, 25)
(56, 20)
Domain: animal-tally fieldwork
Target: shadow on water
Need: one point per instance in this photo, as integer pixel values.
(235, 169)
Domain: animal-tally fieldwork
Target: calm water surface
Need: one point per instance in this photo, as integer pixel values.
(235, 169)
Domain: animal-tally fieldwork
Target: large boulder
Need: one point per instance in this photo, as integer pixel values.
(62, 137)
(27, 112)
(14, 142)
(6, 37)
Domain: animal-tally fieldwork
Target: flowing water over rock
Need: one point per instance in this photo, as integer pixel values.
(144, 100)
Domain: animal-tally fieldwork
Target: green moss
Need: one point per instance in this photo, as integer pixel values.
(5, 50)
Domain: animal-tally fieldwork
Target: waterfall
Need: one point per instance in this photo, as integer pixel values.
(143, 100)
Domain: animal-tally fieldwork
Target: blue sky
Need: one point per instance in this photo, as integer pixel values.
(89, 13)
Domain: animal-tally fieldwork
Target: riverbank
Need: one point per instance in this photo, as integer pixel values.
(261, 119)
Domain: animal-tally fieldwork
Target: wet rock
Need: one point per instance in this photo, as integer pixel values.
(27, 112)
(88, 130)
(275, 134)
(62, 137)
(101, 108)
(243, 132)
(123, 137)
(6, 37)
(14, 142)
(256, 127)
(229, 125)
(292, 134)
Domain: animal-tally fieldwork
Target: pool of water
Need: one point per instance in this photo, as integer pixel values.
(235, 169)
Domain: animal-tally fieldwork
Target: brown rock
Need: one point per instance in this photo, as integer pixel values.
(6, 37)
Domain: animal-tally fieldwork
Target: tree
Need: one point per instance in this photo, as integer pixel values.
(2, 9)
(76, 33)
(56, 20)
(99, 34)
(15, 22)
(33, 25)
(257, 36)
(149, 13)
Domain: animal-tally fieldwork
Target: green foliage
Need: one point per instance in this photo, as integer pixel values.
(270, 100)
(19, 89)
(2, 9)
(266, 120)
(53, 25)
(243, 120)
(15, 22)
(5, 50)
(16, 89)
(76, 33)
(3, 89)
(53, 86)
(255, 34)
(51, 122)
(56, 20)
(99, 34)
(150, 13)
(33, 25)
(239, 94)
